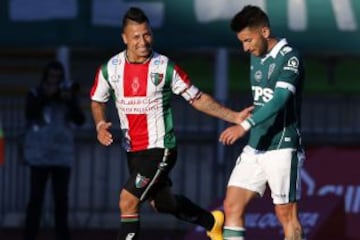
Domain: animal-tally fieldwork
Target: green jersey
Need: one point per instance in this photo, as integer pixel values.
(276, 82)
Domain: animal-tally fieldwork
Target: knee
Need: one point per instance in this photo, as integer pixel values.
(228, 206)
(281, 214)
(165, 205)
(128, 203)
(231, 207)
(284, 213)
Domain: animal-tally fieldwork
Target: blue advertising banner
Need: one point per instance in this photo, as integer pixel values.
(315, 26)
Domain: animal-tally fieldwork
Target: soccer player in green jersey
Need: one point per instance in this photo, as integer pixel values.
(273, 154)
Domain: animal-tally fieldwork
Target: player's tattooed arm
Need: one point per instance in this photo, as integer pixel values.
(207, 104)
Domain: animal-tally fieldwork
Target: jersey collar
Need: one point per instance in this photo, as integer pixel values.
(275, 50)
(143, 62)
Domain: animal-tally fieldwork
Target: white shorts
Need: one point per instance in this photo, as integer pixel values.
(279, 168)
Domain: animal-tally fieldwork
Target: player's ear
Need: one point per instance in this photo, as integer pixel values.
(265, 31)
(123, 36)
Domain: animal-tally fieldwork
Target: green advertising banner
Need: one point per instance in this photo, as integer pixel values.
(315, 26)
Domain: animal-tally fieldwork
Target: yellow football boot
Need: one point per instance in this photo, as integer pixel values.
(216, 232)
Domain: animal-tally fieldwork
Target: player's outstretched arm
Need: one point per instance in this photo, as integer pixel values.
(207, 104)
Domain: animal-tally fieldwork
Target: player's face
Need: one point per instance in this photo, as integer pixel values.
(254, 40)
(138, 39)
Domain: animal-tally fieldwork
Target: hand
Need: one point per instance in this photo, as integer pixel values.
(103, 134)
(245, 113)
(231, 134)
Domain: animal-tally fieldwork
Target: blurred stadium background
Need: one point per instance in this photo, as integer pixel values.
(196, 34)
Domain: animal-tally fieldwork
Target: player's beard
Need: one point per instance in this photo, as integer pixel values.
(263, 47)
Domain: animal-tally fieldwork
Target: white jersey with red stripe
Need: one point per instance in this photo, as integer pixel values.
(142, 95)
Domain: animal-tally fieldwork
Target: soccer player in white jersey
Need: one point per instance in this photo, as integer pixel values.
(141, 82)
(274, 153)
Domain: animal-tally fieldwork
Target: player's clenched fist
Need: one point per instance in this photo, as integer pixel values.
(231, 134)
(103, 134)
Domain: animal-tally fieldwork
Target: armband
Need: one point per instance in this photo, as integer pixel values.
(191, 93)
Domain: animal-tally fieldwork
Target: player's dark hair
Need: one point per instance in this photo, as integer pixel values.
(134, 14)
(249, 16)
(53, 65)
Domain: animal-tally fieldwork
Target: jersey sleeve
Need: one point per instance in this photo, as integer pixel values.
(181, 84)
(290, 72)
(100, 90)
(278, 101)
